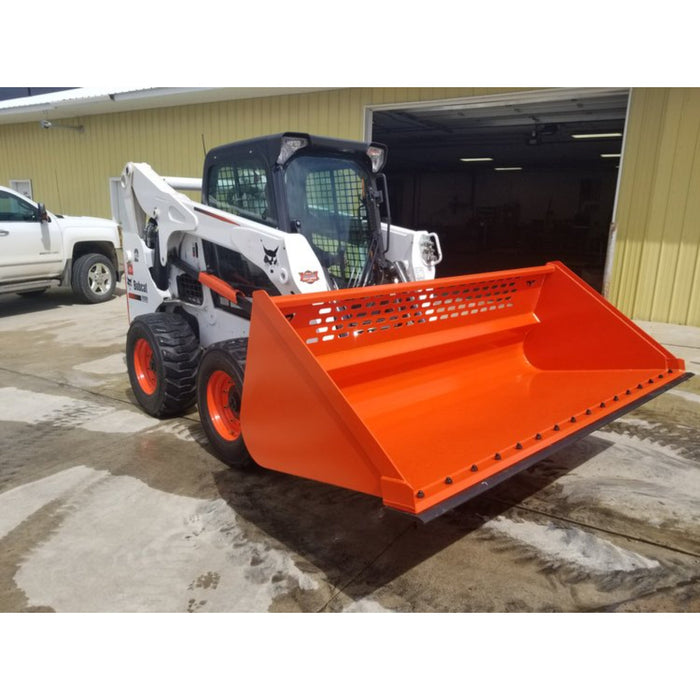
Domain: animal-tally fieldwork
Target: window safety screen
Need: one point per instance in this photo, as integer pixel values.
(242, 189)
(327, 197)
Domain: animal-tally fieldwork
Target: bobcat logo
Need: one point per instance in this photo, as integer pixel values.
(309, 276)
(271, 256)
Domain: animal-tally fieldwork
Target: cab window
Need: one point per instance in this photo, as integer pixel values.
(242, 188)
(15, 209)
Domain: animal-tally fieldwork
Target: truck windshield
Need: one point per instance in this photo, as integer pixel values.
(326, 199)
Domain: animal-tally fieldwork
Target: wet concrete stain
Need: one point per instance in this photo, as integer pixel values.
(681, 597)
(167, 535)
(342, 537)
(575, 532)
(16, 546)
(208, 580)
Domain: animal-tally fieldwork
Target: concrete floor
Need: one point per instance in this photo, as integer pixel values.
(103, 508)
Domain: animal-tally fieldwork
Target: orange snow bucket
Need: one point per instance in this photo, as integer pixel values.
(428, 393)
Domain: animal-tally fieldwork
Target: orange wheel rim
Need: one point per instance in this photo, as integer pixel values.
(144, 366)
(222, 405)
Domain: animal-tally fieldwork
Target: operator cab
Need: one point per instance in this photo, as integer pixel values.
(328, 190)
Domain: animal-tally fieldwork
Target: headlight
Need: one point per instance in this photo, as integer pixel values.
(377, 154)
(290, 145)
(430, 249)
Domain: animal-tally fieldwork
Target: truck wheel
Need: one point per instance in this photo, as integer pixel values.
(219, 392)
(94, 278)
(162, 356)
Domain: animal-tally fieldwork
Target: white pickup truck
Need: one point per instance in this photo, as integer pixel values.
(39, 250)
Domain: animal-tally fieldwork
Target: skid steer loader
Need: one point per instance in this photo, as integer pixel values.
(316, 340)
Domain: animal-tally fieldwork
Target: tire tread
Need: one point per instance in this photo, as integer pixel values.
(237, 456)
(180, 353)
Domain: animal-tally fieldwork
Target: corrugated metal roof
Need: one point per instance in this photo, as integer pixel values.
(75, 95)
(93, 100)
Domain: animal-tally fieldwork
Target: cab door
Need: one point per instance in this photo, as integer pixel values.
(29, 248)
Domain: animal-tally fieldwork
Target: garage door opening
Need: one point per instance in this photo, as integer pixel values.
(510, 184)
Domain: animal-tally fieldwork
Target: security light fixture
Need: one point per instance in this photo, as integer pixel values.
(610, 155)
(46, 124)
(475, 160)
(513, 167)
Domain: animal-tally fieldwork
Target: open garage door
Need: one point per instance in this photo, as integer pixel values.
(509, 181)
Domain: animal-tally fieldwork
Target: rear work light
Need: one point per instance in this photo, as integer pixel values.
(377, 155)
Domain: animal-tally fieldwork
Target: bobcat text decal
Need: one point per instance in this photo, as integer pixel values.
(136, 286)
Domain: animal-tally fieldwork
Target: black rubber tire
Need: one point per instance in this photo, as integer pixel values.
(174, 363)
(228, 357)
(94, 278)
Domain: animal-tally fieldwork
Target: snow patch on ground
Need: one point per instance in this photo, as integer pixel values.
(571, 546)
(172, 553)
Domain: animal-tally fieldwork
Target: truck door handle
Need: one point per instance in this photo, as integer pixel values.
(4, 233)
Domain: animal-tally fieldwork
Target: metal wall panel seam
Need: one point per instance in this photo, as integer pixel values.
(684, 288)
(688, 133)
(641, 197)
(653, 254)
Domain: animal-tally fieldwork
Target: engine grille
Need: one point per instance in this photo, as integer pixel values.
(189, 290)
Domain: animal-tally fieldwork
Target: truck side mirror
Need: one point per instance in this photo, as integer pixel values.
(43, 216)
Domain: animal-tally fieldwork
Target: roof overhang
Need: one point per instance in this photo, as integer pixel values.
(88, 101)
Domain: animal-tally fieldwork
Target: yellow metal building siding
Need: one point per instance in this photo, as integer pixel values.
(70, 170)
(656, 268)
